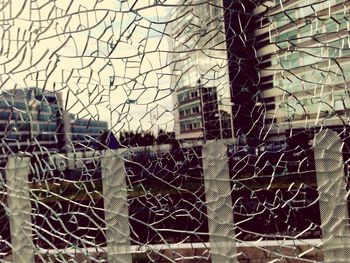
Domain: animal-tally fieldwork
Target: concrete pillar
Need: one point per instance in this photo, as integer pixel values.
(116, 207)
(17, 170)
(331, 184)
(219, 202)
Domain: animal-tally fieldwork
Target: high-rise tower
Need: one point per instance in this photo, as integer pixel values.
(199, 60)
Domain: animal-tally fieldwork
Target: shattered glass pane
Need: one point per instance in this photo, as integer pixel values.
(174, 131)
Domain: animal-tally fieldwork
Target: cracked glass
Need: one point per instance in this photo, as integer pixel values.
(139, 131)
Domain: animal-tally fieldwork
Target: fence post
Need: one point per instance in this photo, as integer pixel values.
(17, 170)
(116, 207)
(332, 192)
(219, 202)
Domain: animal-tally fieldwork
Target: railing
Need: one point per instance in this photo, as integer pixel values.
(222, 228)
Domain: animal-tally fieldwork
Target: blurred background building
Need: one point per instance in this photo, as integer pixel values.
(199, 60)
(29, 118)
(32, 119)
(87, 132)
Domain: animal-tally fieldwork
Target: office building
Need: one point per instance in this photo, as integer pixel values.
(303, 48)
(32, 119)
(199, 62)
(199, 111)
(28, 120)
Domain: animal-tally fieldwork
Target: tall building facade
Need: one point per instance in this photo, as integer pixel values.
(303, 47)
(199, 60)
(244, 68)
(286, 66)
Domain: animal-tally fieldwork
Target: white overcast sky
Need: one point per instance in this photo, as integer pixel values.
(71, 52)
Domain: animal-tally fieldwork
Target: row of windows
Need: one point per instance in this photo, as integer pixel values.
(311, 55)
(339, 48)
(14, 115)
(190, 125)
(193, 109)
(85, 123)
(18, 122)
(187, 96)
(296, 59)
(10, 114)
(316, 104)
(20, 126)
(26, 126)
(19, 137)
(48, 127)
(310, 29)
(10, 104)
(40, 106)
(305, 9)
(23, 136)
(313, 79)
